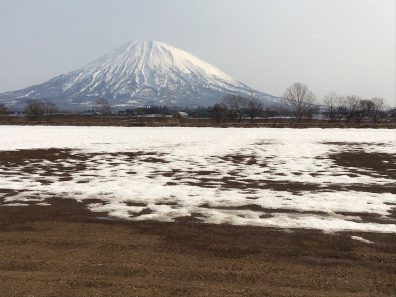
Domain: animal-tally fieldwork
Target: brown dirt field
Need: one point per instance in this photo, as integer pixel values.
(65, 250)
(379, 163)
(123, 121)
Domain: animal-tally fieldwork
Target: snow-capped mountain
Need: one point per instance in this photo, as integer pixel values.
(138, 73)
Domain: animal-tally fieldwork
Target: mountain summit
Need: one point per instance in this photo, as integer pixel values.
(138, 73)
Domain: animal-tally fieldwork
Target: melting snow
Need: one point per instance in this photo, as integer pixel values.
(235, 176)
(358, 238)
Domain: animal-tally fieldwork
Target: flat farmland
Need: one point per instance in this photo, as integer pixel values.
(113, 211)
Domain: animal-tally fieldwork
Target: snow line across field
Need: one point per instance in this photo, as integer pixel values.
(326, 179)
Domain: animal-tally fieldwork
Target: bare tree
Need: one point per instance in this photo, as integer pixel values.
(35, 108)
(365, 109)
(273, 111)
(219, 111)
(299, 98)
(378, 107)
(3, 109)
(102, 106)
(50, 108)
(235, 103)
(254, 107)
(370, 109)
(333, 106)
(351, 105)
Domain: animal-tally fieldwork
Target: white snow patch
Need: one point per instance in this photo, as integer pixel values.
(358, 238)
(181, 171)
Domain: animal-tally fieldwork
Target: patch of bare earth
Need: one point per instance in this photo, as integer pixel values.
(377, 164)
(65, 250)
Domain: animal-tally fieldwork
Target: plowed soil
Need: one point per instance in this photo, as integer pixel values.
(66, 250)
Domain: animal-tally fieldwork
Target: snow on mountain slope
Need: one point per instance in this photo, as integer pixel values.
(139, 73)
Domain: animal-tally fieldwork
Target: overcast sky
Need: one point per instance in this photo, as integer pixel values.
(347, 46)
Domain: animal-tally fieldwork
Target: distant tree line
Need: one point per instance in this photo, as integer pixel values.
(353, 108)
(298, 102)
(236, 107)
(36, 108)
(301, 101)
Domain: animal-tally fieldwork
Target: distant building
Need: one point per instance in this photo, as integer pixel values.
(180, 115)
(16, 113)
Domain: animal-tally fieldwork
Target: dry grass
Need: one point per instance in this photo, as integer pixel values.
(78, 120)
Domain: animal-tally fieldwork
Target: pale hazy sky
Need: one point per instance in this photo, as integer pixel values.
(347, 46)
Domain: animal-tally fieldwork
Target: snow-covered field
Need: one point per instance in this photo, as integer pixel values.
(283, 178)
